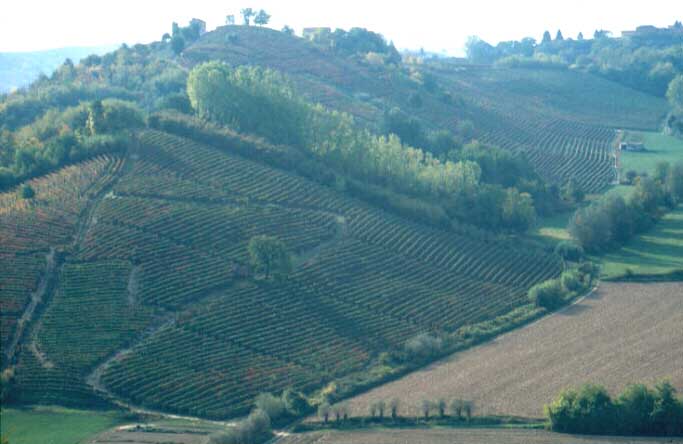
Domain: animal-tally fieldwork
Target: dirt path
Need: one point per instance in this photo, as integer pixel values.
(37, 298)
(622, 334)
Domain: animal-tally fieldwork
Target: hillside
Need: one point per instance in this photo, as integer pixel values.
(166, 227)
(130, 202)
(562, 120)
(620, 334)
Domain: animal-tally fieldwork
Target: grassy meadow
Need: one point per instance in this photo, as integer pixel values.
(54, 425)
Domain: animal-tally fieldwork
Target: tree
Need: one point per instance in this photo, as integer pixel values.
(573, 192)
(270, 255)
(456, 408)
(674, 93)
(674, 182)
(230, 20)
(272, 405)
(426, 408)
(287, 30)
(324, 411)
(262, 18)
(559, 37)
(177, 44)
(295, 403)
(393, 407)
(666, 416)
(518, 210)
(580, 37)
(27, 192)
(479, 51)
(546, 38)
(636, 404)
(247, 14)
(441, 406)
(468, 408)
(548, 294)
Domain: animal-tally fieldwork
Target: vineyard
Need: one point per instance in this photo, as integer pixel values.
(159, 266)
(564, 121)
(28, 229)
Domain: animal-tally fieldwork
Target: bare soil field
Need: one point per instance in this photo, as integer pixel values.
(155, 434)
(460, 436)
(621, 334)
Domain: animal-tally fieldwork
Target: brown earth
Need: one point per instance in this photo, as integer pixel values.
(460, 436)
(621, 334)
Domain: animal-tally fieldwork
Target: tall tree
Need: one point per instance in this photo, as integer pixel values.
(546, 38)
(674, 93)
(559, 37)
(247, 14)
(262, 18)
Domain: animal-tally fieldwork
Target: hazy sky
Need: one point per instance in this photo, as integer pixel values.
(434, 25)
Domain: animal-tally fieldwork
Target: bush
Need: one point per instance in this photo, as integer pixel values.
(570, 251)
(253, 430)
(27, 192)
(423, 346)
(296, 404)
(572, 281)
(548, 294)
(273, 406)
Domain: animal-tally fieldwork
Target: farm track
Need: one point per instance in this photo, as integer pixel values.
(37, 298)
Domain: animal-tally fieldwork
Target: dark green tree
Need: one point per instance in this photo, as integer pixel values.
(27, 192)
(270, 255)
(177, 44)
(546, 38)
(262, 18)
(247, 14)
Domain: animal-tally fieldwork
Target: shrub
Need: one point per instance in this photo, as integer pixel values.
(296, 404)
(572, 281)
(255, 429)
(27, 192)
(569, 251)
(548, 294)
(423, 346)
(273, 406)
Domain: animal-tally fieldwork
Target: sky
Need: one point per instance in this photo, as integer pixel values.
(438, 26)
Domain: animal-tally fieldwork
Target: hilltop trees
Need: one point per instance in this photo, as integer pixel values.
(247, 14)
(262, 18)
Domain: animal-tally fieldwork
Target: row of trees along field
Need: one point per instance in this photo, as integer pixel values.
(262, 102)
(612, 220)
(638, 410)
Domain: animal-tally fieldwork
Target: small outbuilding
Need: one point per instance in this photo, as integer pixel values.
(635, 147)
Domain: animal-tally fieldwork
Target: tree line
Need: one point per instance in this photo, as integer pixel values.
(638, 410)
(612, 220)
(262, 102)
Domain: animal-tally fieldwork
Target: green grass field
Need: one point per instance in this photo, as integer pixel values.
(660, 148)
(658, 251)
(54, 425)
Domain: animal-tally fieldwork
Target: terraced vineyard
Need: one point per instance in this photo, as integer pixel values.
(564, 121)
(159, 267)
(29, 228)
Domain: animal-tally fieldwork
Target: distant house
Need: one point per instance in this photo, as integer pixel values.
(317, 34)
(199, 24)
(653, 33)
(636, 147)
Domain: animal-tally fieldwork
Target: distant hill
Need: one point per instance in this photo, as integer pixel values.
(19, 69)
